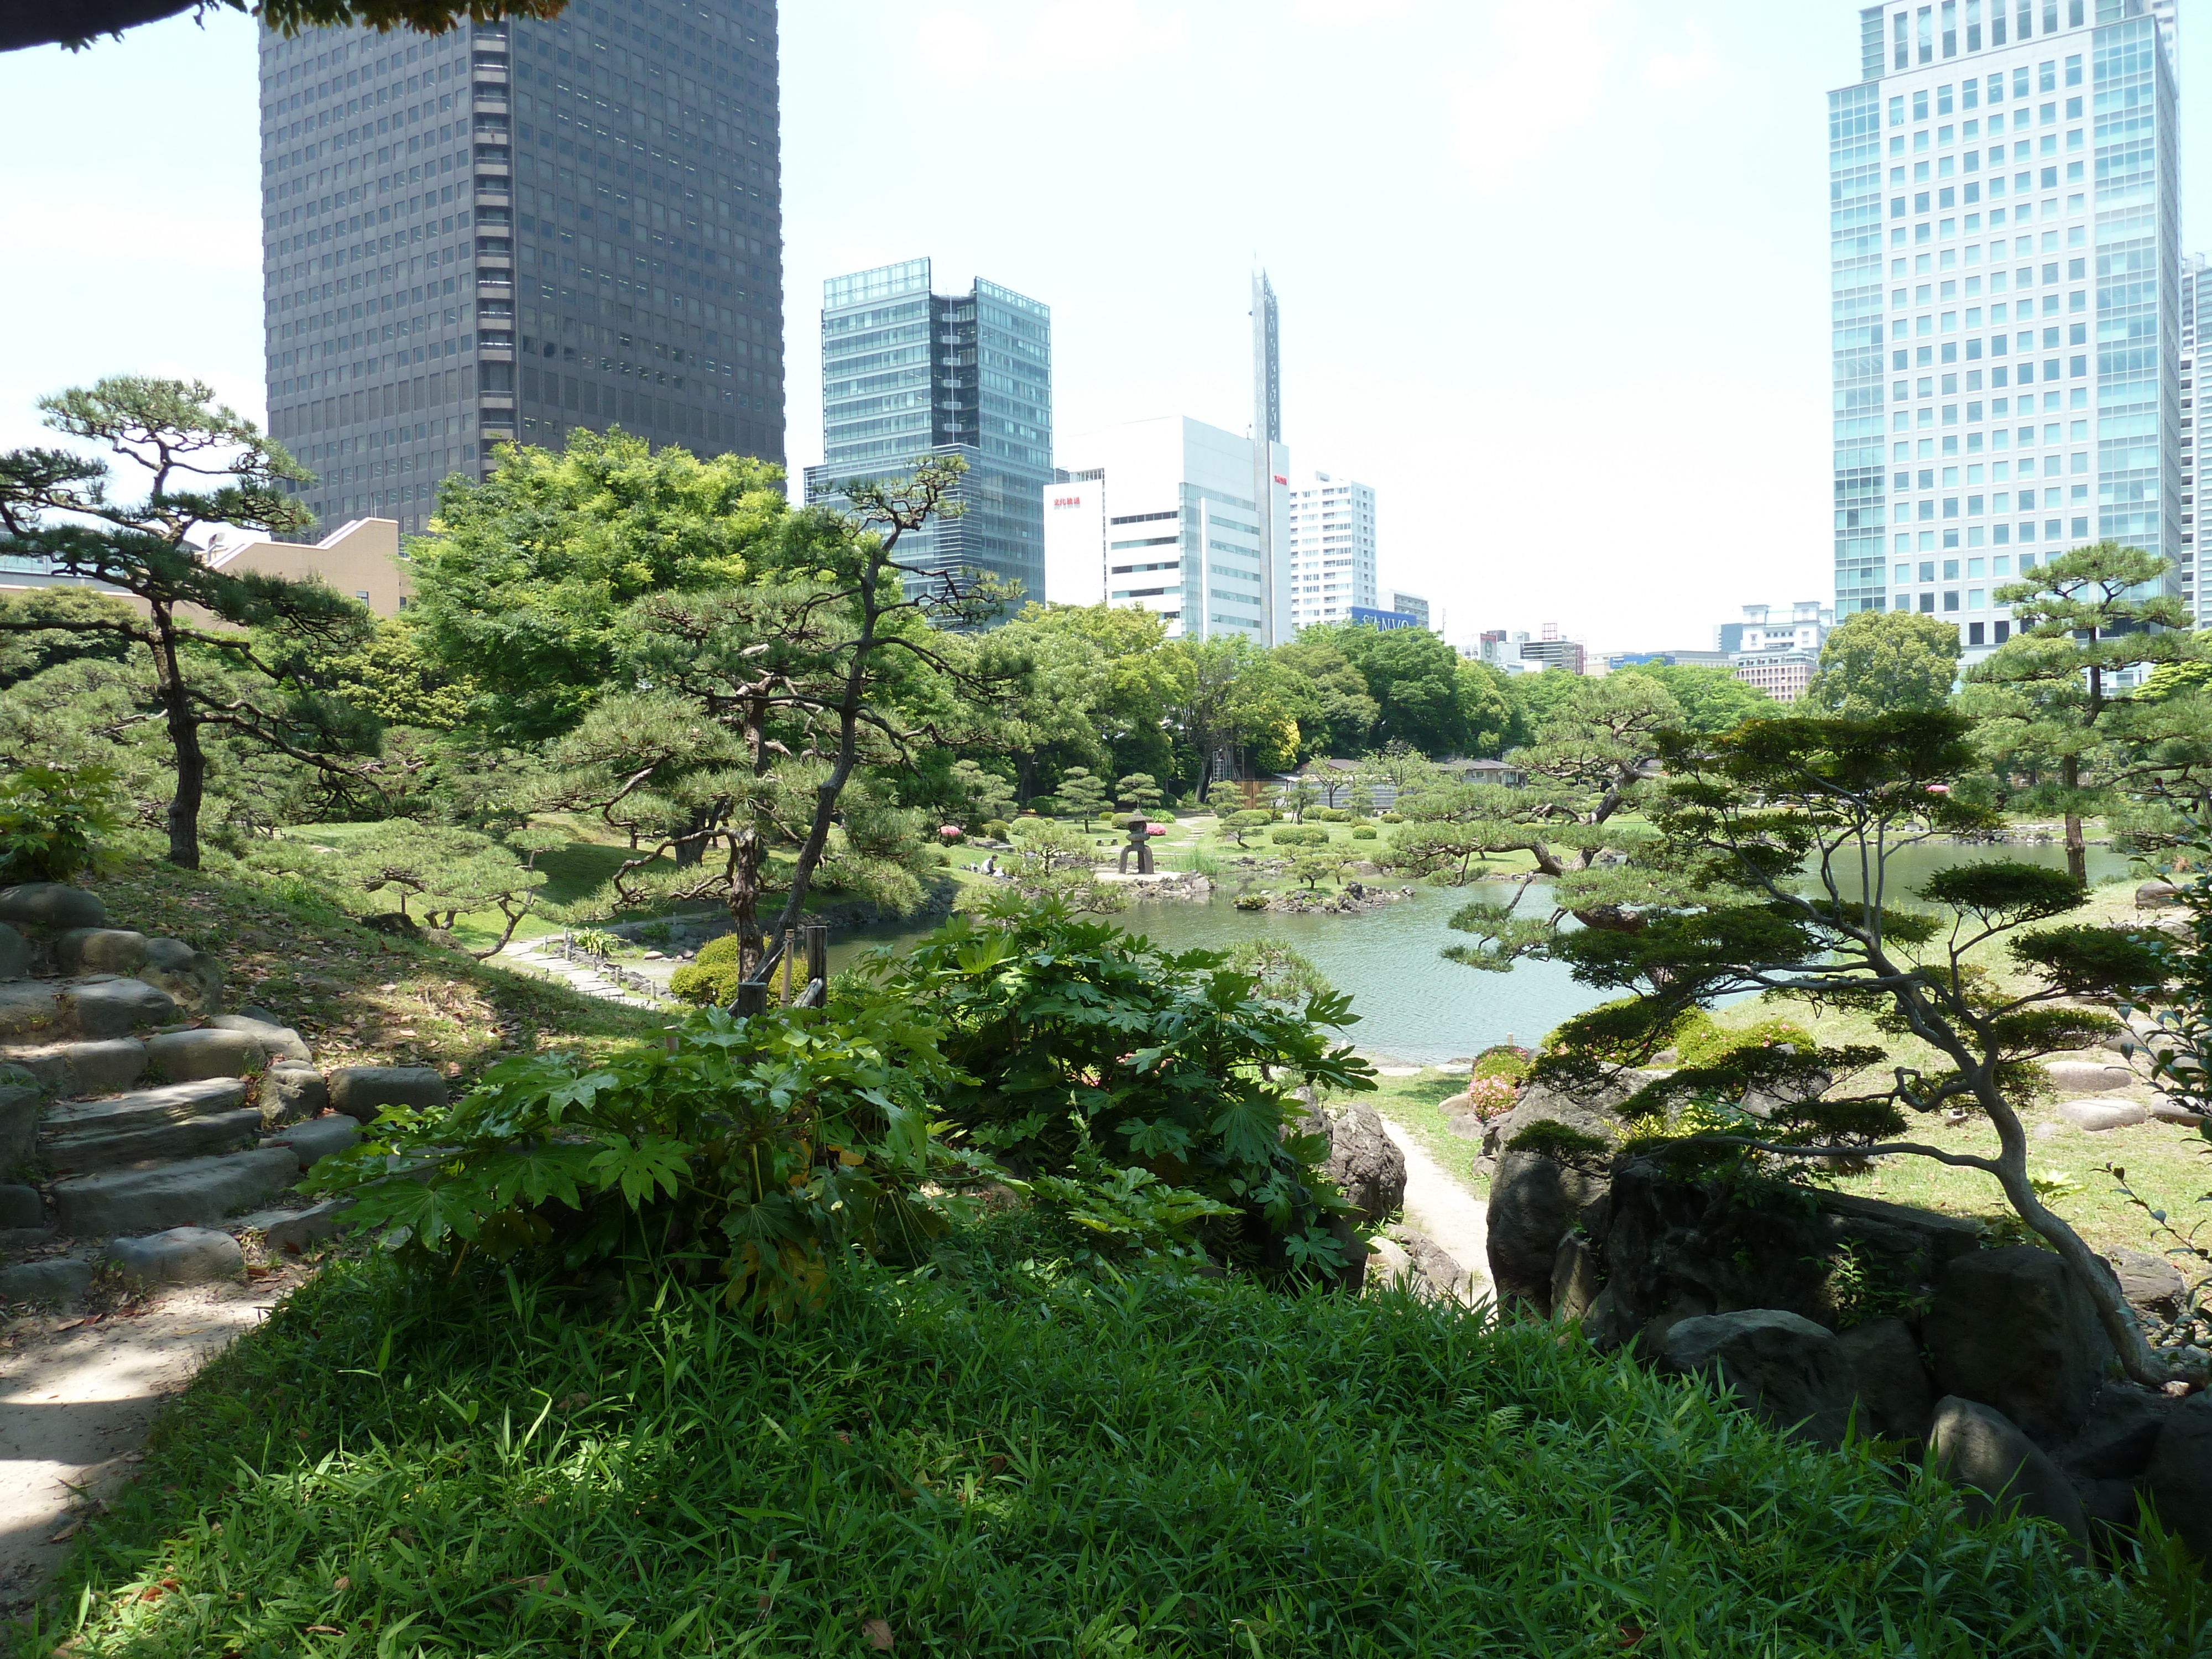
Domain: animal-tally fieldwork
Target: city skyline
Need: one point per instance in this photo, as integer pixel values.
(1537, 383)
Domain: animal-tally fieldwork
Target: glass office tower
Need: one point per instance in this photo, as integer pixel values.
(905, 373)
(513, 229)
(2006, 298)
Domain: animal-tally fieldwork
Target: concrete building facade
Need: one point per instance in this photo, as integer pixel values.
(1329, 547)
(517, 229)
(1158, 514)
(2004, 205)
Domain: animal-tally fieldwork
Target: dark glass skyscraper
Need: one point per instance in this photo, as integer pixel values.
(908, 373)
(516, 228)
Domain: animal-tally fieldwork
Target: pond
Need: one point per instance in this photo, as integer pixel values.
(1413, 1005)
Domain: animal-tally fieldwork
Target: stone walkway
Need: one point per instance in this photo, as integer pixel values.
(1437, 1205)
(544, 955)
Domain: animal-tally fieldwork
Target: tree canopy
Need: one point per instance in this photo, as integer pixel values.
(76, 24)
(1885, 662)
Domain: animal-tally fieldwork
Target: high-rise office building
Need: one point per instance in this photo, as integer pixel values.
(1330, 536)
(908, 373)
(516, 228)
(2004, 205)
(1411, 605)
(2196, 322)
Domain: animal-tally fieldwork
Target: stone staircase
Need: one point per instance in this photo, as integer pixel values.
(131, 1105)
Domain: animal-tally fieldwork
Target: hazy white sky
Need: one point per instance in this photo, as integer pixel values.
(1553, 277)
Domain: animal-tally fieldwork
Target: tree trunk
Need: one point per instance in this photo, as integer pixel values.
(2077, 852)
(183, 814)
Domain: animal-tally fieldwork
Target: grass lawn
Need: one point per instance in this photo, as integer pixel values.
(357, 997)
(988, 1458)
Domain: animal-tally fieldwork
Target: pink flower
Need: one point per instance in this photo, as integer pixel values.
(951, 829)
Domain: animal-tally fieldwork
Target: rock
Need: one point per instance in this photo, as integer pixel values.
(1389, 1264)
(190, 1191)
(19, 1123)
(182, 1255)
(1606, 1326)
(2088, 1077)
(1895, 1400)
(2097, 1115)
(293, 1231)
(31, 1010)
(102, 1066)
(100, 951)
(2012, 1328)
(117, 1007)
(193, 977)
(1441, 1273)
(361, 1091)
(280, 1040)
(1534, 1200)
(316, 1138)
(1984, 1451)
(2179, 1478)
(59, 1280)
(15, 953)
(393, 924)
(2168, 1110)
(295, 1091)
(1785, 1368)
(2154, 895)
(20, 1208)
(1576, 1279)
(2121, 1433)
(188, 1056)
(2150, 1282)
(1362, 1161)
(51, 905)
(254, 1012)
(172, 1120)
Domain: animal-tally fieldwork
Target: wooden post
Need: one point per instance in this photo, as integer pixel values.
(752, 998)
(817, 935)
(787, 965)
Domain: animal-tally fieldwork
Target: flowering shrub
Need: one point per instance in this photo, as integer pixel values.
(1491, 1096)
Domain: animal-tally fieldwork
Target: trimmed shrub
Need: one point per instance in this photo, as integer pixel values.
(1363, 832)
(1294, 835)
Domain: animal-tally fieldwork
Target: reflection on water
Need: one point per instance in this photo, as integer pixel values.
(1413, 1005)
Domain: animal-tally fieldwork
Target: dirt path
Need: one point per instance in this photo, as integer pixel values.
(79, 1393)
(1446, 1212)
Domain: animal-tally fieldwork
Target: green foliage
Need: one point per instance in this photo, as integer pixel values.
(1625, 1032)
(1703, 1042)
(53, 819)
(1175, 1062)
(1083, 795)
(1234, 827)
(1139, 791)
(1363, 832)
(1710, 696)
(1502, 1061)
(442, 871)
(1022, 1456)
(1280, 973)
(980, 794)
(1885, 662)
(1564, 1144)
(998, 828)
(753, 1153)
(1316, 867)
(1292, 834)
(77, 29)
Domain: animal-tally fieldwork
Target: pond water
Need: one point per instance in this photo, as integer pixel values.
(1414, 1005)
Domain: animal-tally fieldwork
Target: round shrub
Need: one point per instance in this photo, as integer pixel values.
(1296, 835)
(996, 828)
(1329, 814)
(1363, 832)
(1502, 1061)
(1394, 817)
(711, 978)
(1707, 1043)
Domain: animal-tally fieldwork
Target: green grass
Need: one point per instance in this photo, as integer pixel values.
(991, 1461)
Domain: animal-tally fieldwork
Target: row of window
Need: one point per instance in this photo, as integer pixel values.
(1971, 89)
(2074, 368)
(2001, 503)
(2002, 535)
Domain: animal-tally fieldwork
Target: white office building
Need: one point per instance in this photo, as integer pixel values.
(2196, 318)
(1415, 605)
(2004, 207)
(1332, 549)
(1159, 514)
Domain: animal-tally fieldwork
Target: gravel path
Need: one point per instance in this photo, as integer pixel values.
(1437, 1205)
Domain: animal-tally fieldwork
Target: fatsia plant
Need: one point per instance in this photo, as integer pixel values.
(751, 1152)
(1069, 1033)
(1791, 828)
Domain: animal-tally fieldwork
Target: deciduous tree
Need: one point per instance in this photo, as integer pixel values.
(1885, 662)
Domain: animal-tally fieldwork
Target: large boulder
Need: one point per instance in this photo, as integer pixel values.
(1362, 1161)
(19, 1123)
(1577, 1278)
(117, 1007)
(362, 1091)
(100, 951)
(52, 906)
(2013, 1327)
(1785, 1368)
(1984, 1451)
(182, 1255)
(15, 953)
(193, 978)
(1895, 1400)
(282, 1041)
(2088, 1077)
(2178, 1477)
(1552, 1156)
(2150, 1282)
(2096, 1116)
(188, 1056)
(2116, 1440)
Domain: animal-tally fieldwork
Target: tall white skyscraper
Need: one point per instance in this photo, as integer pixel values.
(2004, 203)
(2195, 319)
(1331, 548)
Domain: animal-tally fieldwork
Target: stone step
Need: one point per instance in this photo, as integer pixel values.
(178, 1119)
(45, 1010)
(80, 1068)
(197, 1192)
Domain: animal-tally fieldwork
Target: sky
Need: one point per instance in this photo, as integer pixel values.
(1553, 278)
